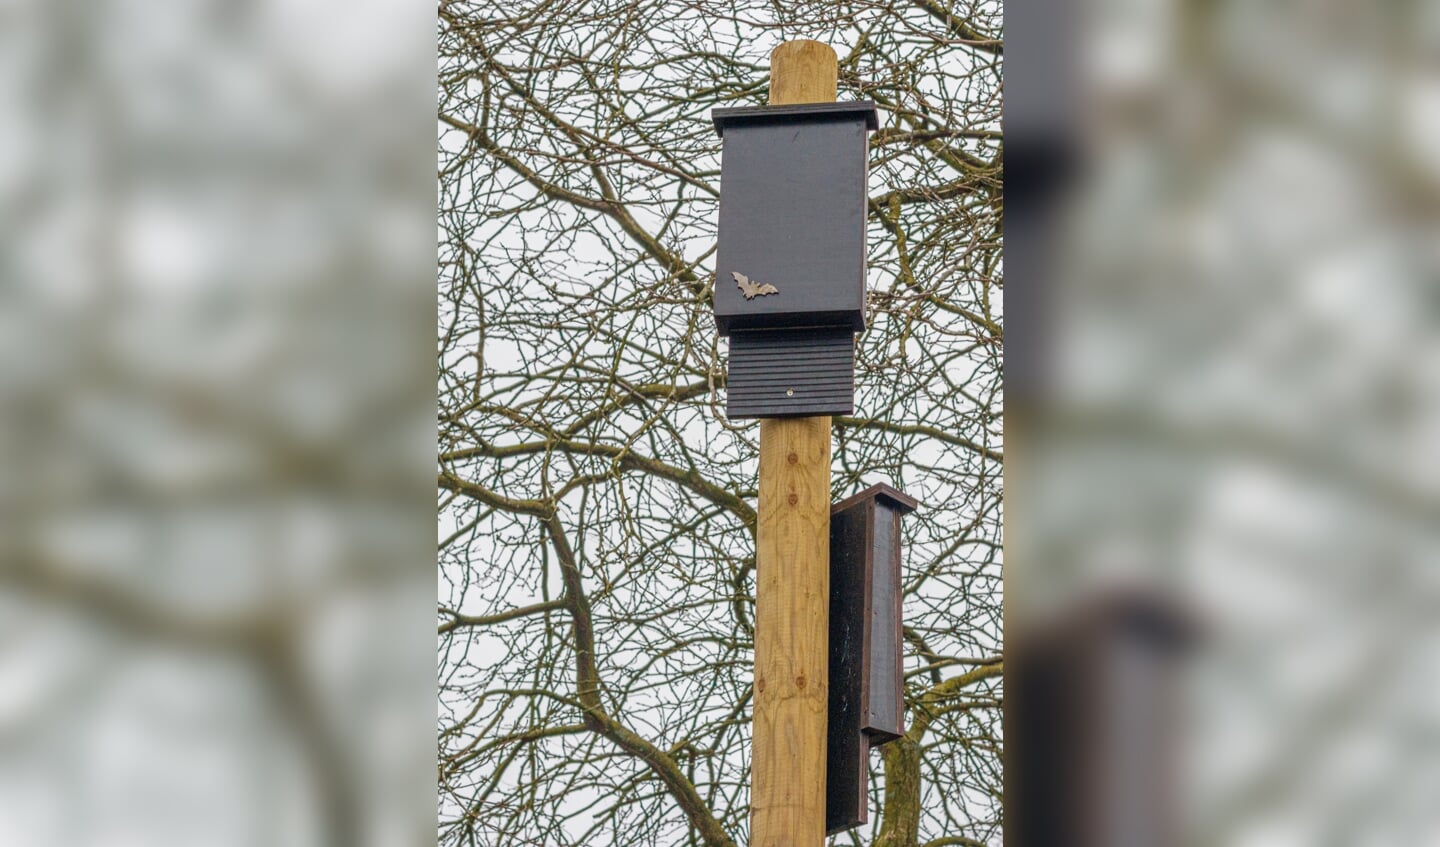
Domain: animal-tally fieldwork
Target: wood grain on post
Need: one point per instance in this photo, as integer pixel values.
(792, 561)
(803, 72)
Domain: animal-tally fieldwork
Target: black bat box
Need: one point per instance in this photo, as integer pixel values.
(867, 679)
(790, 268)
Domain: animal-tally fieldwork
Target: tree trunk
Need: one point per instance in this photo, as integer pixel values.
(900, 812)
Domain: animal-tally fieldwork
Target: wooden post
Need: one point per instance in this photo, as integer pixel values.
(792, 553)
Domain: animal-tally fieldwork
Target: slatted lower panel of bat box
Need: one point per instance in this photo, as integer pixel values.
(791, 373)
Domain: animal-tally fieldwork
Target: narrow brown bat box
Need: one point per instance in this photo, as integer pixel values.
(867, 703)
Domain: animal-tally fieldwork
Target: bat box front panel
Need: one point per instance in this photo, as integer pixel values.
(885, 700)
(778, 373)
(792, 216)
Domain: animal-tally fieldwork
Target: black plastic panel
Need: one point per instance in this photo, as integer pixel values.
(792, 215)
(884, 718)
(847, 753)
(790, 373)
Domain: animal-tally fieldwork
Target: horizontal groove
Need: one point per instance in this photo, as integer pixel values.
(826, 406)
(788, 364)
(781, 401)
(821, 355)
(846, 341)
(778, 391)
(780, 357)
(810, 376)
(782, 385)
(830, 350)
(818, 343)
(752, 356)
(797, 351)
(751, 352)
(790, 355)
(808, 373)
(810, 366)
(780, 397)
(800, 390)
(782, 367)
(838, 364)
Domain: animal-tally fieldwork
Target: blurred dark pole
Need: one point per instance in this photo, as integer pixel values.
(1090, 724)
(1041, 154)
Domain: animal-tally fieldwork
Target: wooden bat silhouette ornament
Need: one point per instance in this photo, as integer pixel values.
(751, 290)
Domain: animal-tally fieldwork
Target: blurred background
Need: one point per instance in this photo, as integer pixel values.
(216, 423)
(1224, 417)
